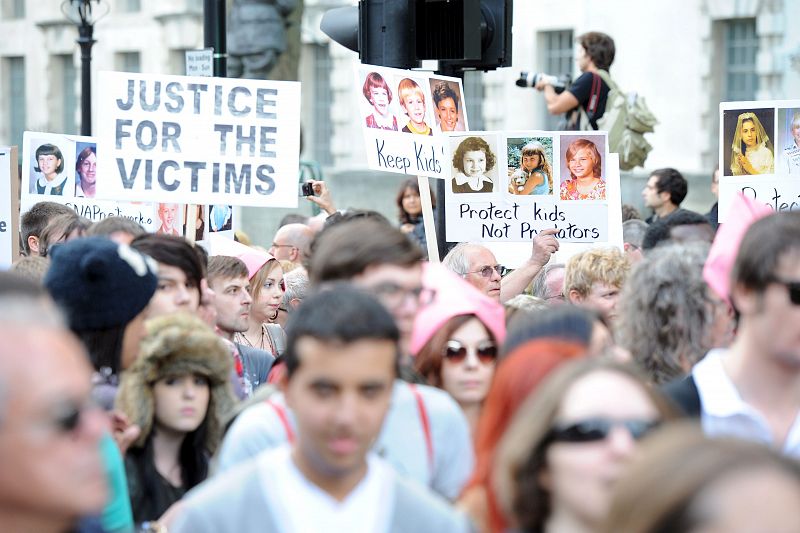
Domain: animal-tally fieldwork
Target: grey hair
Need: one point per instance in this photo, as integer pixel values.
(633, 232)
(456, 259)
(526, 302)
(296, 286)
(539, 283)
(666, 311)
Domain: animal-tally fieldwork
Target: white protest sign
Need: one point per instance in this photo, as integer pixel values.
(759, 153)
(404, 115)
(200, 62)
(65, 169)
(9, 207)
(199, 140)
(508, 186)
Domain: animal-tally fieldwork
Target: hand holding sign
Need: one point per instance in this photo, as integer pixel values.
(545, 244)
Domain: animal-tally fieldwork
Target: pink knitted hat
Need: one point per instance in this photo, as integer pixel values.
(454, 297)
(719, 264)
(254, 259)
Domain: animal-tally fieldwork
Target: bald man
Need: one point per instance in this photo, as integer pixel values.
(291, 243)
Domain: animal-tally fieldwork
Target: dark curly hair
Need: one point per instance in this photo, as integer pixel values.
(473, 144)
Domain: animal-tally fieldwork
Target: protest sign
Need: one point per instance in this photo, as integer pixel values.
(508, 186)
(404, 115)
(198, 140)
(9, 207)
(65, 169)
(759, 153)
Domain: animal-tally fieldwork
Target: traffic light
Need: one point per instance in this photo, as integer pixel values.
(461, 34)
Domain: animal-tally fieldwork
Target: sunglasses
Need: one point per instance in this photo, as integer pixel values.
(597, 429)
(486, 272)
(393, 295)
(455, 352)
(793, 287)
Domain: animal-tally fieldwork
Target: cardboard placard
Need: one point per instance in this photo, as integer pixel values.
(508, 186)
(404, 115)
(198, 140)
(9, 207)
(759, 153)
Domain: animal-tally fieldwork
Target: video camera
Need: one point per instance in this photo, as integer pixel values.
(530, 79)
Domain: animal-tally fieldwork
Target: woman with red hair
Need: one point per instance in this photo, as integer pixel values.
(515, 378)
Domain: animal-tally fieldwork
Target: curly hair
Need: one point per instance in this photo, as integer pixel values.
(442, 91)
(473, 144)
(596, 265)
(666, 311)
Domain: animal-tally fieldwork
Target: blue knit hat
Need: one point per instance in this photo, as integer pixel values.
(100, 284)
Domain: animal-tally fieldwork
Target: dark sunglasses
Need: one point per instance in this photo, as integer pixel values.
(793, 287)
(486, 272)
(597, 429)
(455, 352)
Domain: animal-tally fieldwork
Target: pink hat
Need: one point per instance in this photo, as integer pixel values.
(454, 297)
(254, 259)
(719, 264)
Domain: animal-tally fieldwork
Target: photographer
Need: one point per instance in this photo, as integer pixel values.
(595, 52)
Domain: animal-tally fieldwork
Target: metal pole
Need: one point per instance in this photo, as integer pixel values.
(85, 32)
(215, 34)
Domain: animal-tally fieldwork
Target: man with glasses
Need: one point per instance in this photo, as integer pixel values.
(426, 435)
(478, 266)
(50, 436)
(752, 389)
(291, 243)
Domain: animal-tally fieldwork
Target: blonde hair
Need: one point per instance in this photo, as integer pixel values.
(597, 265)
(257, 282)
(406, 88)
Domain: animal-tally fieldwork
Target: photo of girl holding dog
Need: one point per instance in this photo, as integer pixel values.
(534, 174)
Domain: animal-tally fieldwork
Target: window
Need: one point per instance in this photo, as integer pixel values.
(129, 6)
(741, 46)
(556, 59)
(323, 99)
(128, 62)
(69, 96)
(13, 9)
(14, 68)
(473, 96)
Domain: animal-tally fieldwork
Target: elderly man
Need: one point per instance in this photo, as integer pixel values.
(291, 243)
(478, 266)
(50, 434)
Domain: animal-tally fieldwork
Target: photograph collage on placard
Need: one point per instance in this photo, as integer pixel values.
(394, 100)
(561, 167)
(748, 147)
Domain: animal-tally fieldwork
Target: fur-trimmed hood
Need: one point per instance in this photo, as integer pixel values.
(176, 345)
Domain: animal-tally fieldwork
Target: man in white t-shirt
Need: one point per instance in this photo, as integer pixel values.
(341, 363)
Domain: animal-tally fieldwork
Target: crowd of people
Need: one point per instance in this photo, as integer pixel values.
(338, 381)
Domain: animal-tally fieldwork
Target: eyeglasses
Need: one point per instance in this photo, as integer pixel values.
(597, 429)
(276, 245)
(393, 295)
(486, 272)
(455, 352)
(793, 287)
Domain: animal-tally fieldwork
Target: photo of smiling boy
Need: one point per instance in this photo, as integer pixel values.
(379, 96)
(412, 100)
(49, 162)
(472, 161)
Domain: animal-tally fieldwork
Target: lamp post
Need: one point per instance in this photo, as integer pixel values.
(83, 14)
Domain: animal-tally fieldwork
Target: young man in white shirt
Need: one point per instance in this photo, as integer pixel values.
(341, 360)
(752, 389)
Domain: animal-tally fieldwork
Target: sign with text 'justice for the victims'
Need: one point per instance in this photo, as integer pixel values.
(198, 140)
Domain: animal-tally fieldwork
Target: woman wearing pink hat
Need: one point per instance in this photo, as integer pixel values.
(457, 339)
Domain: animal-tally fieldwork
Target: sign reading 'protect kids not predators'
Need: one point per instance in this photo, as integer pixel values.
(759, 154)
(405, 115)
(508, 186)
(198, 140)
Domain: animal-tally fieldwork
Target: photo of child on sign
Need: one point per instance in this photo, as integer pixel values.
(473, 160)
(379, 95)
(530, 166)
(412, 100)
(584, 166)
